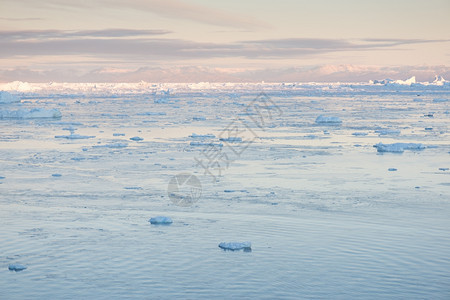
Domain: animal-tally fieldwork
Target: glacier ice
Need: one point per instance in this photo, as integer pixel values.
(16, 267)
(34, 113)
(235, 245)
(160, 220)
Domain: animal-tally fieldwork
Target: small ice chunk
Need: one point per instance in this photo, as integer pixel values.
(16, 267)
(6, 98)
(199, 118)
(443, 169)
(133, 188)
(136, 138)
(233, 246)
(392, 169)
(398, 147)
(195, 143)
(112, 145)
(202, 136)
(118, 134)
(160, 220)
(2, 177)
(439, 100)
(388, 131)
(328, 120)
(74, 137)
(359, 133)
(56, 175)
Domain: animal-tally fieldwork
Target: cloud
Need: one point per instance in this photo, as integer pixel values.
(174, 9)
(134, 45)
(14, 35)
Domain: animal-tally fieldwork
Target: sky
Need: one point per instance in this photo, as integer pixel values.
(233, 40)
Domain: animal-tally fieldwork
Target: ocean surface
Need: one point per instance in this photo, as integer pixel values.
(329, 215)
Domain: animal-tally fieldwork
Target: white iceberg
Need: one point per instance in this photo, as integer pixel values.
(6, 97)
(35, 113)
(16, 267)
(398, 147)
(160, 220)
(328, 120)
(236, 246)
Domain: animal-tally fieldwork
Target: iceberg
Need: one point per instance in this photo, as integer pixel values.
(6, 98)
(328, 120)
(160, 220)
(398, 147)
(16, 267)
(35, 113)
(233, 246)
(136, 138)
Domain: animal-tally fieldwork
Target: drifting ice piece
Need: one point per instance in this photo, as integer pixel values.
(235, 246)
(328, 120)
(398, 147)
(16, 267)
(161, 220)
(74, 137)
(136, 138)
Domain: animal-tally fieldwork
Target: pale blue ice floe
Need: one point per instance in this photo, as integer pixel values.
(136, 138)
(328, 120)
(398, 147)
(202, 136)
(16, 267)
(160, 220)
(74, 136)
(235, 246)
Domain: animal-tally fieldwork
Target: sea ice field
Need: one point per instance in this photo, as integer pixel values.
(342, 191)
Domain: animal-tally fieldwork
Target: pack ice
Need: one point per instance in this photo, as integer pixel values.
(34, 113)
(328, 120)
(6, 97)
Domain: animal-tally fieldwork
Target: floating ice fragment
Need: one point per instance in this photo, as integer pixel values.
(392, 169)
(443, 169)
(359, 133)
(118, 134)
(35, 113)
(16, 267)
(439, 100)
(328, 120)
(74, 137)
(2, 177)
(136, 138)
(398, 147)
(199, 118)
(56, 175)
(151, 113)
(233, 246)
(206, 144)
(133, 188)
(113, 145)
(388, 131)
(202, 136)
(6, 97)
(160, 220)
